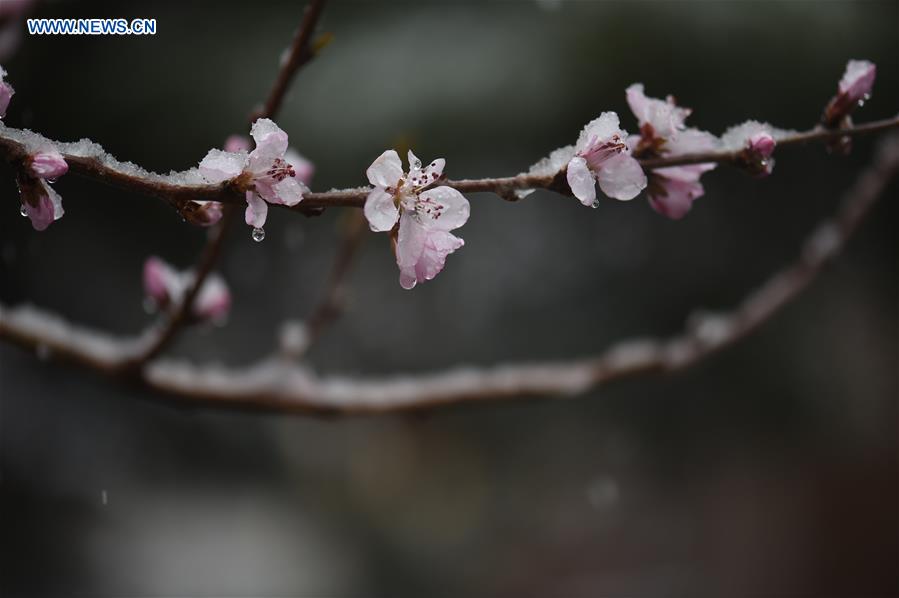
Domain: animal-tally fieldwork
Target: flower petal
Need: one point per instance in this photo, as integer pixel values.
(270, 139)
(48, 206)
(414, 162)
(288, 192)
(237, 143)
(858, 80)
(581, 181)
(434, 170)
(386, 170)
(676, 197)
(664, 116)
(257, 210)
(442, 208)
(220, 166)
(410, 244)
(599, 130)
(380, 211)
(421, 252)
(304, 168)
(48, 164)
(621, 177)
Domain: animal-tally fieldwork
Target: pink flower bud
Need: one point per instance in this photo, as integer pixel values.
(202, 213)
(166, 287)
(158, 279)
(48, 164)
(761, 144)
(759, 148)
(214, 300)
(858, 80)
(854, 88)
(6, 93)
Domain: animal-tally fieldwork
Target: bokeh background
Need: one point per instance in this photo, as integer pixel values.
(770, 469)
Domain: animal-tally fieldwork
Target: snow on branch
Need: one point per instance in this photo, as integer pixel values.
(281, 384)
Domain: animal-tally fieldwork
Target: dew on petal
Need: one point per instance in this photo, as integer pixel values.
(258, 234)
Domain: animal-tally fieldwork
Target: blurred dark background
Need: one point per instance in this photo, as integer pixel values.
(770, 469)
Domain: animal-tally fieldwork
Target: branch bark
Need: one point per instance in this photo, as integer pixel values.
(280, 385)
(110, 172)
(300, 54)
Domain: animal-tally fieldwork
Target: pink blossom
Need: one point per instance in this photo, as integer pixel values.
(854, 88)
(425, 214)
(662, 118)
(264, 174)
(166, 288)
(6, 93)
(756, 142)
(602, 155)
(47, 164)
(40, 202)
(663, 133)
(673, 189)
(303, 168)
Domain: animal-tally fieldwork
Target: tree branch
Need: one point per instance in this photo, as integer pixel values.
(276, 384)
(330, 306)
(181, 314)
(300, 53)
(180, 187)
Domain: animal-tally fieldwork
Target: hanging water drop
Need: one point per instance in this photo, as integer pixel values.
(595, 204)
(23, 211)
(51, 181)
(258, 234)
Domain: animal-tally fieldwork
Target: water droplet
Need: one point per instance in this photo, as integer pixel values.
(595, 204)
(51, 181)
(23, 211)
(258, 234)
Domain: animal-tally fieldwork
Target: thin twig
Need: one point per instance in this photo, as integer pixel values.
(331, 304)
(274, 384)
(300, 53)
(181, 314)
